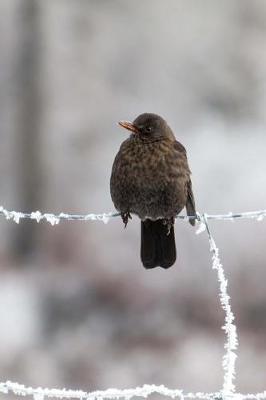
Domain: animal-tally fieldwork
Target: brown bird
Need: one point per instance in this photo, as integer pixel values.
(151, 178)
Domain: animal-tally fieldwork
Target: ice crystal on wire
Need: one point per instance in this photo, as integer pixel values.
(53, 219)
(16, 216)
(200, 228)
(38, 396)
(37, 215)
(106, 218)
(231, 344)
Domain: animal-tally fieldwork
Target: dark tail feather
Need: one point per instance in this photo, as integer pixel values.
(157, 246)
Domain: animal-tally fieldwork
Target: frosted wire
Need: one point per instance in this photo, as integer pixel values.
(54, 219)
(127, 394)
(231, 343)
(228, 390)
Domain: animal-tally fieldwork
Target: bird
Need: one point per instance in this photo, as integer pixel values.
(151, 178)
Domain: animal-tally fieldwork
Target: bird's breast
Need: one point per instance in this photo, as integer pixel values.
(148, 178)
(150, 161)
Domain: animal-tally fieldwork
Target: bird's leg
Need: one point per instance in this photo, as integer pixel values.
(125, 217)
(169, 222)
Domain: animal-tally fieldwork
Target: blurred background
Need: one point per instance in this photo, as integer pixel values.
(77, 308)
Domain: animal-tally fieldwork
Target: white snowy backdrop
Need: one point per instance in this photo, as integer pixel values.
(77, 308)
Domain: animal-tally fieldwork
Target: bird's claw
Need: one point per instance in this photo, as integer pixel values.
(125, 217)
(169, 222)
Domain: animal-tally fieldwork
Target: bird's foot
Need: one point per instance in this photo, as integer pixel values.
(125, 217)
(169, 222)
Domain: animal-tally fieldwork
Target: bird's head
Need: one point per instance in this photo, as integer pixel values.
(149, 127)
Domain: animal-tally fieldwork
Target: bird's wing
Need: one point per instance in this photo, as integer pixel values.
(190, 204)
(179, 147)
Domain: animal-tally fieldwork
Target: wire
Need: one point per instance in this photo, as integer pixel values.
(229, 359)
(231, 343)
(54, 219)
(127, 394)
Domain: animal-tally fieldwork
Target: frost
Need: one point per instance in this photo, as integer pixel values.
(231, 343)
(16, 216)
(64, 216)
(53, 219)
(38, 396)
(231, 216)
(37, 215)
(90, 217)
(127, 394)
(3, 388)
(201, 228)
(106, 218)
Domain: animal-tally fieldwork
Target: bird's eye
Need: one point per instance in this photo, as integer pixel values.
(148, 129)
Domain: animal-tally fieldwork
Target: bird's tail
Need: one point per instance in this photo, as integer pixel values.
(157, 244)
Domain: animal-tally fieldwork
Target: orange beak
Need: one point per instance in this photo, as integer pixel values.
(129, 126)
